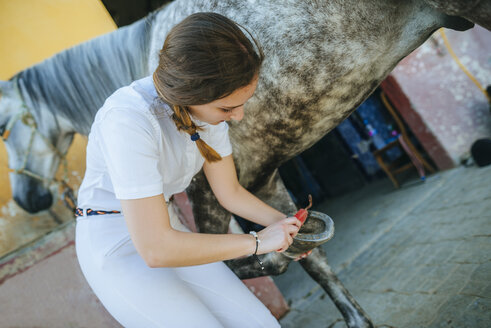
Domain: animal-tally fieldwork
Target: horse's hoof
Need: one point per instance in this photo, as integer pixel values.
(317, 229)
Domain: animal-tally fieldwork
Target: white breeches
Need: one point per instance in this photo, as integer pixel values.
(136, 295)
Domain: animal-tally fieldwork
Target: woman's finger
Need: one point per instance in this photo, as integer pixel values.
(302, 256)
(293, 220)
(291, 229)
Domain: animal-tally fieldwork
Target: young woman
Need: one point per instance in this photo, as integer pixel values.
(147, 142)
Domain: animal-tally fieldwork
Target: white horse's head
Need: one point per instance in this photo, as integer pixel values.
(34, 140)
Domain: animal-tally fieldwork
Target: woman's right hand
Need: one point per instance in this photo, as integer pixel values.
(278, 236)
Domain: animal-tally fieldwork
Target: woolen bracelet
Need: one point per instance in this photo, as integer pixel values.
(255, 252)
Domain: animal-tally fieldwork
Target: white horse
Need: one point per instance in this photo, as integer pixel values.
(323, 58)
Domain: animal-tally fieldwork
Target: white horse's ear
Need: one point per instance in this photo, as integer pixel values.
(4, 87)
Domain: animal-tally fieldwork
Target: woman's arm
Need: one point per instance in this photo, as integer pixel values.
(231, 195)
(162, 246)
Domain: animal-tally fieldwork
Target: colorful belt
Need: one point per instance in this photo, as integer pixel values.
(80, 212)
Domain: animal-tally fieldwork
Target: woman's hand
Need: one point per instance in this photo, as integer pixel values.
(278, 236)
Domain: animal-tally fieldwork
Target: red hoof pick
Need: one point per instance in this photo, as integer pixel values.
(303, 213)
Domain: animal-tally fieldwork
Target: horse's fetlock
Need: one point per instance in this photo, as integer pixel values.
(278, 267)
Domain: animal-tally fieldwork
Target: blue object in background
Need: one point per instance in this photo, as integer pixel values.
(358, 146)
(367, 129)
(372, 113)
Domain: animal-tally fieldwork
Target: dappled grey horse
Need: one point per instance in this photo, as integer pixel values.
(323, 58)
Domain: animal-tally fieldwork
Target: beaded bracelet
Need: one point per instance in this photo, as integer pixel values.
(257, 244)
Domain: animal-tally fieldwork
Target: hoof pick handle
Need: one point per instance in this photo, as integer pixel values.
(303, 213)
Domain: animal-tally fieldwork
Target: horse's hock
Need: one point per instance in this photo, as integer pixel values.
(317, 229)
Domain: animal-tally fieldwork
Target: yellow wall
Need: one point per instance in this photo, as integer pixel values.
(30, 31)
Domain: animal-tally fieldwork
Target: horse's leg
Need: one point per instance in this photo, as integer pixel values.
(316, 266)
(209, 216)
(212, 218)
(275, 194)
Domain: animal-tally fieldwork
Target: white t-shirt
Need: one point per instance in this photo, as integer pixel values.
(135, 150)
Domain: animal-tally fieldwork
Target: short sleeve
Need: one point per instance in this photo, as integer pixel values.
(130, 149)
(219, 139)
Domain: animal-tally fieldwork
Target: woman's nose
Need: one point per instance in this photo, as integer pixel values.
(237, 114)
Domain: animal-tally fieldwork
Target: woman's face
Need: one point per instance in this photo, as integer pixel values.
(224, 109)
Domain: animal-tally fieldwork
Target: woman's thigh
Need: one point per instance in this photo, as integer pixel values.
(135, 294)
(226, 296)
(207, 295)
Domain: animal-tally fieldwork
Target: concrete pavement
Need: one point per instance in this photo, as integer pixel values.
(414, 257)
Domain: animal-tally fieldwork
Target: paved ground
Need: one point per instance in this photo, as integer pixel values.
(414, 257)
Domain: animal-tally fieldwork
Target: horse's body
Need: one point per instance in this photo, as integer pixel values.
(323, 58)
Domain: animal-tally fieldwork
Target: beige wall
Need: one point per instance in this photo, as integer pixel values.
(30, 31)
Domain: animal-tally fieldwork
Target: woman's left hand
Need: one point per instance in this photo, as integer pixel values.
(304, 255)
(297, 223)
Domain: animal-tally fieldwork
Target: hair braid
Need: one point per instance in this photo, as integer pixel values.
(183, 121)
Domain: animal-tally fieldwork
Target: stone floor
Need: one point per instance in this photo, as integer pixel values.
(414, 257)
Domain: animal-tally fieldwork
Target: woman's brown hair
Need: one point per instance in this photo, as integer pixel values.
(204, 58)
